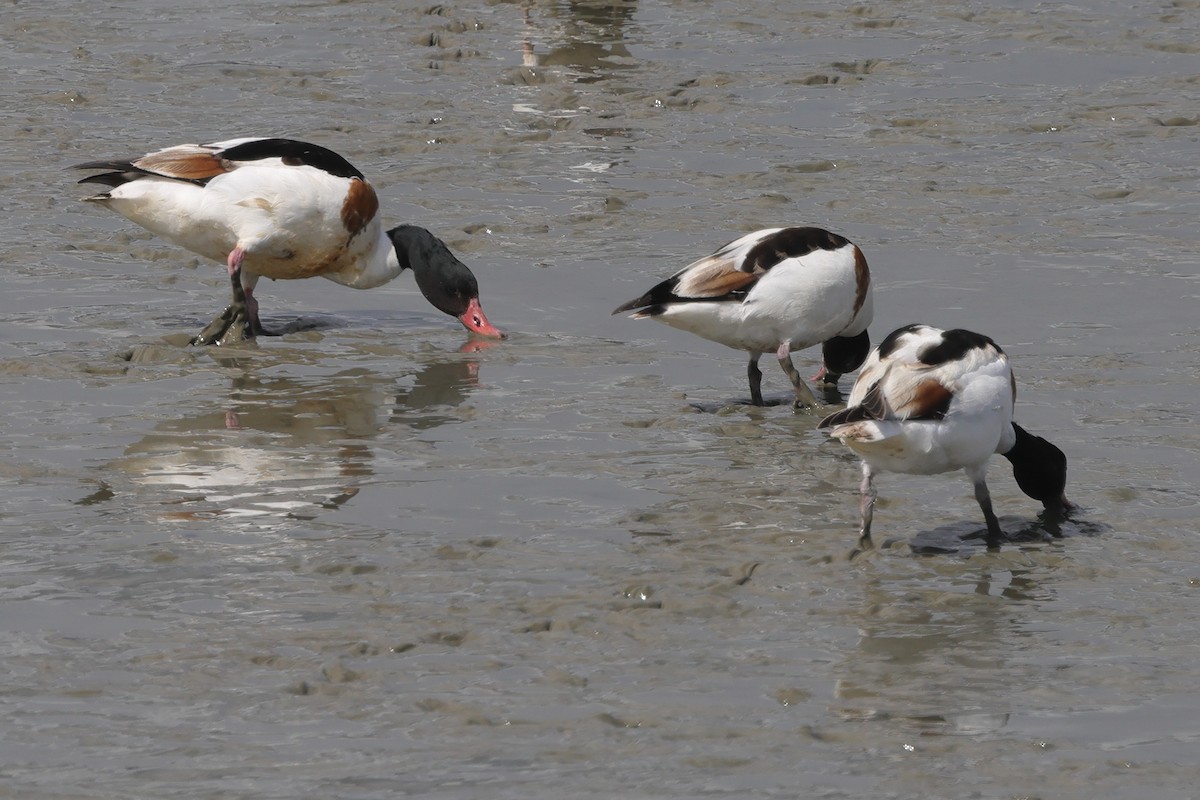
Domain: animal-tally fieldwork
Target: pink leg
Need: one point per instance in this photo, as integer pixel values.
(234, 262)
(804, 395)
(867, 496)
(235, 316)
(234, 265)
(245, 285)
(867, 509)
(254, 324)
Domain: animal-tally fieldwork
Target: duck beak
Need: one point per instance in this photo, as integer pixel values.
(474, 320)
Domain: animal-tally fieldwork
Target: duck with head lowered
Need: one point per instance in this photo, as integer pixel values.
(281, 209)
(929, 401)
(773, 291)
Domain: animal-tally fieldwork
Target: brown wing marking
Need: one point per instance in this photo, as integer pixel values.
(715, 278)
(929, 399)
(862, 279)
(187, 162)
(360, 206)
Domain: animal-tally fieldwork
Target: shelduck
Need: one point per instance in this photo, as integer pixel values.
(773, 291)
(285, 209)
(929, 401)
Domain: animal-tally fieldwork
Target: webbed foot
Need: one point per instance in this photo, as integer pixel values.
(231, 325)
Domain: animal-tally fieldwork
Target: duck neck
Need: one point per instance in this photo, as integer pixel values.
(378, 265)
(1024, 449)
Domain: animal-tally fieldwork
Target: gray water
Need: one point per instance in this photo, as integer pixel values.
(369, 560)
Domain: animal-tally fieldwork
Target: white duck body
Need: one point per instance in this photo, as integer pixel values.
(942, 416)
(773, 291)
(930, 401)
(292, 220)
(801, 300)
(285, 209)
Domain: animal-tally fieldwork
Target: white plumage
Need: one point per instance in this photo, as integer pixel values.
(281, 209)
(930, 401)
(773, 291)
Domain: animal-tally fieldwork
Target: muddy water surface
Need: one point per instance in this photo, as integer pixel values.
(373, 559)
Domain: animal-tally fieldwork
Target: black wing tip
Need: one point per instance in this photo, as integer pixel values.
(643, 310)
(655, 301)
(112, 179)
(871, 408)
(845, 416)
(106, 164)
(632, 305)
(114, 174)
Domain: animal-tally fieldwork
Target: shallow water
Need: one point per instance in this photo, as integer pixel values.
(371, 559)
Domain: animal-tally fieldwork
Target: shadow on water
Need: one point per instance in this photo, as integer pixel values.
(966, 539)
(284, 324)
(828, 394)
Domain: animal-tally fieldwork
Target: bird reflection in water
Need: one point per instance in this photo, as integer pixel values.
(288, 448)
(916, 630)
(589, 40)
(439, 385)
